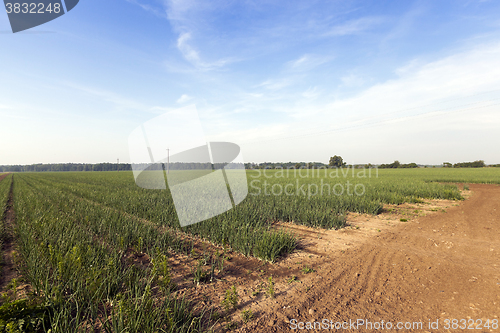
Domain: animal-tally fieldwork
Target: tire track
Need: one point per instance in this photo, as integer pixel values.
(444, 265)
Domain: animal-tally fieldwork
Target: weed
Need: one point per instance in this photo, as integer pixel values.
(403, 220)
(231, 299)
(246, 315)
(232, 325)
(307, 270)
(161, 271)
(140, 245)
(270, 287)
(215, 315)
(24, 316)
(13, 286)
(199, 275)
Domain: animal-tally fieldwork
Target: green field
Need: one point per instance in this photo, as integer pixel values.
(73, 229)
(4, 193)
(4, 196)
(455, 175)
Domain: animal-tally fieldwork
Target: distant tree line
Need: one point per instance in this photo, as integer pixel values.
(112, 167)
(397, 164)
(187, 166)
(285, 165)
(66, 167)
(475, 164)
(335, 162)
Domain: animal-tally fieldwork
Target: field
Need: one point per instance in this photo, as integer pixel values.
(93, 251)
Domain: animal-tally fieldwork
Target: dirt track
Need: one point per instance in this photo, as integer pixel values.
(435, 267)
(8, 270)
(2, 176)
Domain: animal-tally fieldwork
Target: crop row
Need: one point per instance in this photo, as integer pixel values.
(5, 184)
(72, 253)
(319, 198)
(246, 229)
(314, 198)
(460, 175)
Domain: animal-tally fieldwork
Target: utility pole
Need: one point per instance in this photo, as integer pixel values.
(168, 158)
(117, 164)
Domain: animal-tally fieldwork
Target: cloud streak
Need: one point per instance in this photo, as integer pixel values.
(159, 12)
(183, 99)
(354, 27)
(307, 62)
(193, 56)
(457, 93)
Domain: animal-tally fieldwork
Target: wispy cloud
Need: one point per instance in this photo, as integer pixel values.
(276, 84)
(354, 27)
(307, 62)
(178, 9)
(117, 100)
(11, 111)
(262, 132)
(312, 92)
(184, 98)
(187, 50)
(459, 93)
(186, 18)
(428, 87)
(193, 56)
(353, 80)
(159, 12)
(405, 23)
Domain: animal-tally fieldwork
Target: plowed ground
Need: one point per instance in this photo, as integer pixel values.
(3, 175)
(444, 265)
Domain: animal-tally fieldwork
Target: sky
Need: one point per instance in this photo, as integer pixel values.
(371, 81)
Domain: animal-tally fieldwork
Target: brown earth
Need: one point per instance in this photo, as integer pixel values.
(3, 175)
(445, 265)
(423, 262)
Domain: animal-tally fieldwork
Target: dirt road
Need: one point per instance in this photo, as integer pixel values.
(437, 267)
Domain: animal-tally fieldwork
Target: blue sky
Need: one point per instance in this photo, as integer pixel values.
(372, 81)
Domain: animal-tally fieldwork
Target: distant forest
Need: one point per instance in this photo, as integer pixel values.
(192, 166)
(110, 167)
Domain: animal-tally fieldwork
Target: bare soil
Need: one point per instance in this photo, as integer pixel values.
(413, 263)
(3, 175)
(443, 263)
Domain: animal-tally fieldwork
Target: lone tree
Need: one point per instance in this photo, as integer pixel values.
(336, 162)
